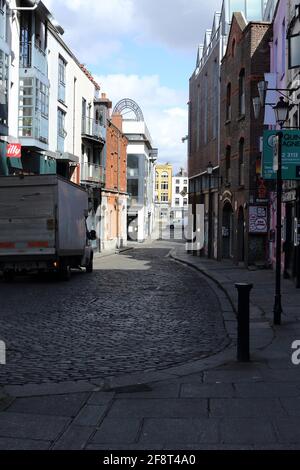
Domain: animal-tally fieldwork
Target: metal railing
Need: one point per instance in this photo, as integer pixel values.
(91, 172)
(93, 128)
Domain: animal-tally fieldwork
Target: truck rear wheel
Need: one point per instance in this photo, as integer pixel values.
(90, 266)
(64, 272)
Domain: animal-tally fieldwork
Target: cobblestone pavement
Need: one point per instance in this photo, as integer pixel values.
(138, 311)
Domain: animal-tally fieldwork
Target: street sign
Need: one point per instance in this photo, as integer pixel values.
(14, 151)
(290, 155)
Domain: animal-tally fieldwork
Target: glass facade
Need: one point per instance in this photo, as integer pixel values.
(33, 109)
(252, 9)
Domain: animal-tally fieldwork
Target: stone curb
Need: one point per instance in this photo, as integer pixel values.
(262, 342)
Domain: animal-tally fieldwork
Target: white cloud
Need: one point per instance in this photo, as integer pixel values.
(162, 109)
(178, 24)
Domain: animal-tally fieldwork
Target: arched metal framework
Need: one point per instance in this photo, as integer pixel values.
(130, 105)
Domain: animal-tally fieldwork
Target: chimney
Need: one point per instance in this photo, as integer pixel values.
(117, 120)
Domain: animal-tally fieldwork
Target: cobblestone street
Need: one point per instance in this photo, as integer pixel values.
(139, 311)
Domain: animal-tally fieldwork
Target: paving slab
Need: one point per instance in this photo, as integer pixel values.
(232, 376)
(245, 407)
(75, 438)
(101, 398)
(7, 443)
(247, 432)
(194, 390)
(179, 431)
(53, 405)
(155, 408)
(288, 430)
(118, 431)
(267, 390)
(29, 426)
(90, 415)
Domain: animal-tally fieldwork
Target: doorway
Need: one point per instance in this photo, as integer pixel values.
(227, 231)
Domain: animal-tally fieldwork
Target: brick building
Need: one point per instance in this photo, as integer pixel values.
(114, 194)
(243, 214)
(204, 117)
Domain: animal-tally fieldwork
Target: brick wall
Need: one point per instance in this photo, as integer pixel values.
(248, 49)
(116, 156)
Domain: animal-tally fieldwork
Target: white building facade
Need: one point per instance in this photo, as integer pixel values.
(179, 196)
(49, 103)
(141, 159)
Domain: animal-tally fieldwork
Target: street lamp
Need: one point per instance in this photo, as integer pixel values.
(281, 113)
(281, 110)
(210, 170)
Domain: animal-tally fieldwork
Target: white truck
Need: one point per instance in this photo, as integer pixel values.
(43, 226)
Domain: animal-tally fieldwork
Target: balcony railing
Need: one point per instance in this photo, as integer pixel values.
(92, 128)
(33, 56)
(91, 173)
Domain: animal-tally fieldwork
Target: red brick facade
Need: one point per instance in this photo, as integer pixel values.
(116, 156)
(246, 61)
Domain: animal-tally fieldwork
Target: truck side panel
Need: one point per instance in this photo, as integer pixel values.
(72, 207)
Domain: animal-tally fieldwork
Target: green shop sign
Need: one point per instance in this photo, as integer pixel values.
(290, 155)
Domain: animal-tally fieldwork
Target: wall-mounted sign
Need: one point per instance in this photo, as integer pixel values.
(290, 155)
(258, 219)
(14, 151)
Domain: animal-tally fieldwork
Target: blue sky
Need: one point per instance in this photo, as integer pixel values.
(144, 50)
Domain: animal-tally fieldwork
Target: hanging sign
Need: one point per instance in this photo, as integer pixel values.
(14, 151)
(290, 155)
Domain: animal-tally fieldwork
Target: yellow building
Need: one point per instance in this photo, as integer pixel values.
(163, 184)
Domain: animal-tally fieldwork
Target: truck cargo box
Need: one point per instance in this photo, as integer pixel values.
(41, 215)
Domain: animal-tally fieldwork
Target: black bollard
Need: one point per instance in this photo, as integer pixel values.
(243, 340)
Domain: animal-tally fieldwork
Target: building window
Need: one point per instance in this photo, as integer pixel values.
(61, 79)
(33, 109)
(42, 98)
(185, 202)
(185, 189)
(177, 190)
(185, 182)
(177, 202)
(164, 198)
(3, 88)
(242, 93)
(164, 186)
(165, 175)
(241, 162)
(177, 181)
(228, 102)
(228, 164)
(133, 187)
(61, 132)
(133, 165)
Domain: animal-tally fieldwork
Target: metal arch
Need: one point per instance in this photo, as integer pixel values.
(127, 103)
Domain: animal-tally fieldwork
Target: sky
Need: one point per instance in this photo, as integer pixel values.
(144, 50)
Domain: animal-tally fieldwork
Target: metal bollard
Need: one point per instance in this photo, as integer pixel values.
(243, 340)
